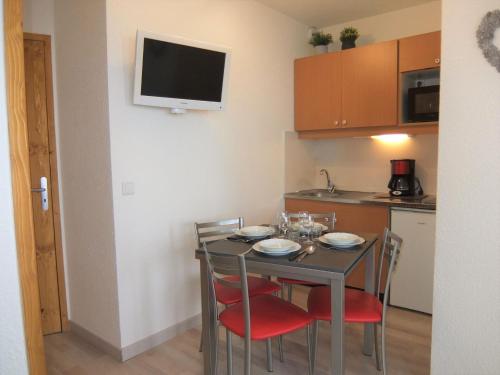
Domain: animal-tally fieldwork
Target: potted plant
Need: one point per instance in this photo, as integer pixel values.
(348, 37)
(320, 41)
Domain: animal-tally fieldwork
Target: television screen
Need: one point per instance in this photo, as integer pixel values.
(177, 74)
(176, 71)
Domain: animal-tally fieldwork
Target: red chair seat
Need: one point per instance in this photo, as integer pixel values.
(296, 282)
(360, 307)
(270, 316)
(256, 286)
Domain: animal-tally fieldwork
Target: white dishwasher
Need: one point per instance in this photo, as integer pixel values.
(413, 276)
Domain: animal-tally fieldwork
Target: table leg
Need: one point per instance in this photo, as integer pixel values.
(369, 288)
(337, 327)
(209, 330)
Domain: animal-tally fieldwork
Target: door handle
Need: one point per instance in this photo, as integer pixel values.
(44, 193)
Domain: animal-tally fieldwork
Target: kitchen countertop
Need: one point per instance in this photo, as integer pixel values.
(427, 202)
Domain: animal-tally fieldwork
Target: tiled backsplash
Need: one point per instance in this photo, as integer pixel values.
(356, 163)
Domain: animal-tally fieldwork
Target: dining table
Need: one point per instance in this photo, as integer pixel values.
(327, 265)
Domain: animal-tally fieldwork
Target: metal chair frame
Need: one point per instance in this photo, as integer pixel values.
(212, 231)
(235, 265)
(390, 250)
(216, 230)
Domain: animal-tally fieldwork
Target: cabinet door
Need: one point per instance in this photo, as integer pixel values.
(412, 280)
(369, 85)
(318, 92)
(350, 218)
(420, 52)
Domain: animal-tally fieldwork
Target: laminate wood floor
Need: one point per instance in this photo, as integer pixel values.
(408, 351)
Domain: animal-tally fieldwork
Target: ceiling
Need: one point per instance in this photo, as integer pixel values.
(322, 13)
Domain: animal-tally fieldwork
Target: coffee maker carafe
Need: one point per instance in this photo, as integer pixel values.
(403, 181)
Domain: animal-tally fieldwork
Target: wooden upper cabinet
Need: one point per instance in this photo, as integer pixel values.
(358, 88)
(420, 52)
(370, 86)
(318, 92)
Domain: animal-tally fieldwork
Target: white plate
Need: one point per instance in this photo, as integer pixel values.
(257, 247)
(341, 238)
(298, 227)
(359, 241)
(264, 233)
(276, 245)
(255, 230)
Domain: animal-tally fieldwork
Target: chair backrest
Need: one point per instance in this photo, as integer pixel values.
(327, 219)
(216, 230)
(220, 266)
(388, 253)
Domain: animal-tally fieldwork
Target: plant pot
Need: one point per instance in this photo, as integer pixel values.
(321, 49)
(348, 43)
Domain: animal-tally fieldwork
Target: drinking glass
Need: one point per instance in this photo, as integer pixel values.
(308, 225)
(293, 235)
(316, 230)
(302, 217)
(283, 221)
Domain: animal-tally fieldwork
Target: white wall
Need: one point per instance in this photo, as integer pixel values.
(13, 359)
(39, 16)
(86, 166)
(300, 163)
(358, 163)
(199, 166)
(393, 25)
(466, 320)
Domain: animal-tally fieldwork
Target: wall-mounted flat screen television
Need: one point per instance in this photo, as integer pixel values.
(179, 74)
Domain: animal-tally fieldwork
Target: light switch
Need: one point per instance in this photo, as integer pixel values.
(128, 188)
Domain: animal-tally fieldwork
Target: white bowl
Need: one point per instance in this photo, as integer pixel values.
(276, 244)
(341, 238)
(255, 231)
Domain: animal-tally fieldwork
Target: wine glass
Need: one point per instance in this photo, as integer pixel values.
(302, 216)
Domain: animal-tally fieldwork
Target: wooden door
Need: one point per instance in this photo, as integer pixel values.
(318, 92)
(355, 218)
(21, 185)
(420, 52)
(41, 139)
(370, 85)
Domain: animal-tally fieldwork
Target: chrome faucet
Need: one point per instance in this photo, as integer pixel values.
(329, 185)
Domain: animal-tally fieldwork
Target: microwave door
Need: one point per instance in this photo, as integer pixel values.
(423, 104)
(426, 103)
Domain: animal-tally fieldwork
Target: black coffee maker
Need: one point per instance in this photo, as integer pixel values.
(403, 181)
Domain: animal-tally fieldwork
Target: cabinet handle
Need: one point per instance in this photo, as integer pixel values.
(421, 223)
(337, 123)
(437, 61)
(344, 122)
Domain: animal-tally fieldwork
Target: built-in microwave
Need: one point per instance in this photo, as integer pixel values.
(423, 103)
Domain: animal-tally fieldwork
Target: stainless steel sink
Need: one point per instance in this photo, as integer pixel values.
(318, 193)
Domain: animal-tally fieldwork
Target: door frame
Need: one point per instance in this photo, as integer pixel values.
(21, 185)
(54, 177)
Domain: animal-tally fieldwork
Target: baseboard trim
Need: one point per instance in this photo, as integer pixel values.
(138, 347)
(95, 340)
(158, 338)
